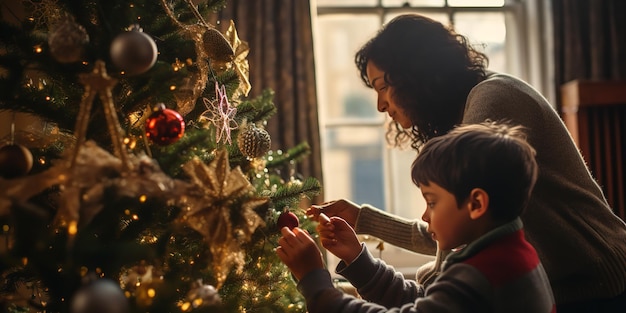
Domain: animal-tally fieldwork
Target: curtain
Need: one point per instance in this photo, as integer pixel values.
(590, 40)
(279, 33)
(590, 56)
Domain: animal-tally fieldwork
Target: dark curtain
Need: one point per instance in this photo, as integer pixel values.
(279, 34)
(590, 40)
(590, 50)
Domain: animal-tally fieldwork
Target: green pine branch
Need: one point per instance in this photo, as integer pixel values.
(289, 195)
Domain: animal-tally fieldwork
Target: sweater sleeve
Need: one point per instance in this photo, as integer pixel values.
(398, 231)
(379, 283)
(451, 293)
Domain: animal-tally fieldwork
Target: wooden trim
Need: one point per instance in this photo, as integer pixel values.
(579, 94)
(595, 115)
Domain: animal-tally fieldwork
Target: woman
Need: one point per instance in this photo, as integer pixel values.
(429, 79)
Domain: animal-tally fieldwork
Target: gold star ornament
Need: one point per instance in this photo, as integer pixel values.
(219, 196)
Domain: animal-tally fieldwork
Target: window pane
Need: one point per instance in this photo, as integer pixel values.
(439, 17)
(414, 3)
(341, 92)
(407, 198)
(476, 3)
(344, 3)
(353, 166)
(486, 31)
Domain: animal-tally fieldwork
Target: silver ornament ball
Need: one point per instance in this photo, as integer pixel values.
(15, 161)
(67, 41)
(134, 52)
(100, 296)
(204, 295)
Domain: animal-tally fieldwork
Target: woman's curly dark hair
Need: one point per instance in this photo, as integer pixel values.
(431, 69)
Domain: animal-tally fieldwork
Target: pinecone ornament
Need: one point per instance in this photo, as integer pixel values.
(217, 46)
(253, 141)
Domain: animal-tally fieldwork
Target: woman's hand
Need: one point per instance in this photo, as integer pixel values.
(345, 209)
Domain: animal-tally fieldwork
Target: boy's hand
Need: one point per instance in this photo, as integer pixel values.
(338, 238)
(299, 252)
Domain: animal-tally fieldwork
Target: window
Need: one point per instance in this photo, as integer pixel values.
(357, 163)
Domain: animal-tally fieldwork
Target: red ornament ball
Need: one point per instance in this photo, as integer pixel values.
(134, 52)
(164, 126)
(15, 161)
(288, 219)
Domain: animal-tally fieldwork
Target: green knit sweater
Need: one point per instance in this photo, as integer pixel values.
(580, 241)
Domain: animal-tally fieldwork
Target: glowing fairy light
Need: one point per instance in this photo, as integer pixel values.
(72, 228)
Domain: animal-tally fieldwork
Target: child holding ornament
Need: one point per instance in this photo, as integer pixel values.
(476, 181)
(428, 79)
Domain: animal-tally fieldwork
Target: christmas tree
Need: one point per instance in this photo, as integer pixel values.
(150, 185)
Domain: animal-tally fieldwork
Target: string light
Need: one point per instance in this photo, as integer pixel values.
(177, 65)
(72, 228)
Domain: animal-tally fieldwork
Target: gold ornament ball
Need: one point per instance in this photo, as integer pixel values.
(15, 160)
(254, 142)
(146, 293)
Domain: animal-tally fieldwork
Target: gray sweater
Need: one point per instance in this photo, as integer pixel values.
(580, 241)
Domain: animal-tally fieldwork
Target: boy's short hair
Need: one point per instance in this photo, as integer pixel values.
(492, 156)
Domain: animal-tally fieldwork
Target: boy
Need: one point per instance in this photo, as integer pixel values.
(476, 181)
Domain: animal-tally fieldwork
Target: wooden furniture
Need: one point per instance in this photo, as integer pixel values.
(595, 114)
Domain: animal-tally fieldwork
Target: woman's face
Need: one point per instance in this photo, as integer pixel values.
(385, 102)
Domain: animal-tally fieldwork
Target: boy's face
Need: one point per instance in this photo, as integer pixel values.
(448, 223)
